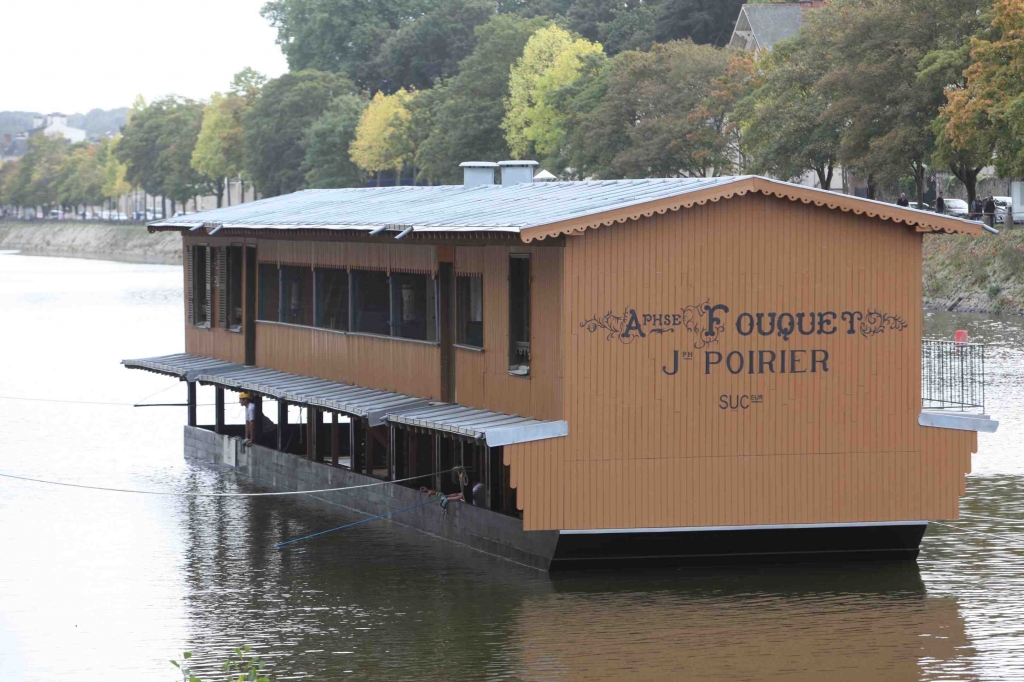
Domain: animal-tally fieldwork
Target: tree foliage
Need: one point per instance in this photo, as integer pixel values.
(327, 142)
(275, 125)
(552, 59)
(382, 140)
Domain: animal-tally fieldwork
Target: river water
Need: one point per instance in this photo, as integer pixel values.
(103, 585)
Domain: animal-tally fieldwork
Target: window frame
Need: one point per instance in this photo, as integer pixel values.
(235, 290)
(513, 349)
(206, 274)
(318, 304)
(463, 304)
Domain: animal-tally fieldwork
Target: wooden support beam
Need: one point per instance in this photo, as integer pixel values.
(335, 439)
(486, 477)
(368, 447)
(282, 422)
(192, 419)
(391, 454)
(353, 458)
(437, 462)
(218, 409)
(312, 415)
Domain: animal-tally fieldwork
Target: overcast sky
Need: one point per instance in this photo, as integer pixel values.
(75, 55)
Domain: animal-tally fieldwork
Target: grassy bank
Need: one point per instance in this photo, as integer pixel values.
(91, 240)
(975, 274)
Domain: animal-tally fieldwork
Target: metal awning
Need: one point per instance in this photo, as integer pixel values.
(494, 428)
(377, 407)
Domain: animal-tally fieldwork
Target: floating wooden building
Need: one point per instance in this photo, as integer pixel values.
(633, 370)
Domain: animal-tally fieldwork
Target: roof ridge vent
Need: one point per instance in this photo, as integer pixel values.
(477, 173)
(516, 172)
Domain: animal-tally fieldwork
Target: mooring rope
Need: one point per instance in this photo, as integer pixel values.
(176, 494)
(354, 523)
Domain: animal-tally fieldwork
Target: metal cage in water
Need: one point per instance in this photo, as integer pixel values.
(952, 376)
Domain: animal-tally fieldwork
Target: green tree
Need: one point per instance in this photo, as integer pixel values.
(617, 25)
(80, 178)
(987, 111)
(276, 123)
(337, 35)
(218, 152)
(552, 59)
(115, 180)
(328, 141)
(784, 116)
(41, 166)
(428, 48)
(469, 109)
(705, 22)
(383, 141)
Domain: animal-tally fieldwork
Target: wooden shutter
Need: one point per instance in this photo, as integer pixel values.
(190, 284)
(222, 287)
(209, 287)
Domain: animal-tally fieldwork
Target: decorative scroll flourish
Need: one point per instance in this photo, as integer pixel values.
(707, 331)
(615, 325)
(876, 322)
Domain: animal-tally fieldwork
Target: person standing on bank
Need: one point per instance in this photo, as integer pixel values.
(940, 204)
(902, 201)
(250, 417)
(990, 212)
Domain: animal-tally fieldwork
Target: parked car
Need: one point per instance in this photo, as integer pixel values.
(957, 208)
(923, 206)
(113, 215)
(1004, 204)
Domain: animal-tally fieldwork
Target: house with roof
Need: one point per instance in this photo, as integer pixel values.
(586, 373)
(759, 26)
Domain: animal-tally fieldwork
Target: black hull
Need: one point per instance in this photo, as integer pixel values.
(883, 542)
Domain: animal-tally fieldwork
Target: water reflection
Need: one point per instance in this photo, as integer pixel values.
(101, 585)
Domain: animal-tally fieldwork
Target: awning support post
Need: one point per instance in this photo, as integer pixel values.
(437, 462)
(368, 444)
(218, 423)
(486, 477)
(353, 458)
(335, 439)
(391, 454)
(282, 422)
(312, 416)
(192, 419)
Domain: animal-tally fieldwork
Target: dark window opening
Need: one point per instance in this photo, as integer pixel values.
(414, 304)
(297, 295)
(371, 303)
(332, 299)
(234, 280)
(270, 293)
(469, 295)
(201, 285)
(519, 315)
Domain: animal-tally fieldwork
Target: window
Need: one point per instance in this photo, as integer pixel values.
(332, 299)
(519, 315)
(270, 293)
(200, 272)
(414, 306)
(371, 304)
(297, 295)
(469, 316)
(234, 282)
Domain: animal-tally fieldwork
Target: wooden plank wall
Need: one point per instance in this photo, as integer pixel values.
(358, 256)
(651, 450)
(374, 362)
(482, 379)
(215, 342)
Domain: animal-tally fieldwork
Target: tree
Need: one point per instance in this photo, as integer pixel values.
(382, 139)
(115, 182)
(987, 112)
(41, 167)
(428, 48)
(157, 145)
(705, 22)
(471, 106)
(615, 24)
(218, 153)
(328, 142)
(275, 125)
(785, 116)
(551, 59)
(653, 114)
(337, 35)
(80, 178)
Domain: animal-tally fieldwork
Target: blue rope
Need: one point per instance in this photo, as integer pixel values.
(349, 525)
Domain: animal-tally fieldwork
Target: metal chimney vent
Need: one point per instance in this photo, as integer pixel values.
(516, 172)
(477, 173)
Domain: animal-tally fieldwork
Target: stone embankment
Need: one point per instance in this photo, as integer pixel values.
(975, 274)
(129, 242)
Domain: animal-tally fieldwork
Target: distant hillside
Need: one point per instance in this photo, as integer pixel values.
(96, 123)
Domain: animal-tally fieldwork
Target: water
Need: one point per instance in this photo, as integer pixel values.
(109, 586)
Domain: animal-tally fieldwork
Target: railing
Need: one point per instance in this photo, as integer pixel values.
(952, 376)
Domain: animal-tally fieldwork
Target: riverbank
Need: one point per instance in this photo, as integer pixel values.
(92, 240)
(975, 274)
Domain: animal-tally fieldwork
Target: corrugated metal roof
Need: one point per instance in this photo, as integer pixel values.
(378, 407)
(446, 208)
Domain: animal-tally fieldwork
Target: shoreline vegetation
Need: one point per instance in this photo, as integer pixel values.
(107, 241)
(965, 274)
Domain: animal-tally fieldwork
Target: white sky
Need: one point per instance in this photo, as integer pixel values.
(74, 55)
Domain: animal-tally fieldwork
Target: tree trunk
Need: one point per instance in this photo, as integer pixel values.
(919, 182)
(227, 190)
(871, 186)
(163, 206)
(174, 208)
